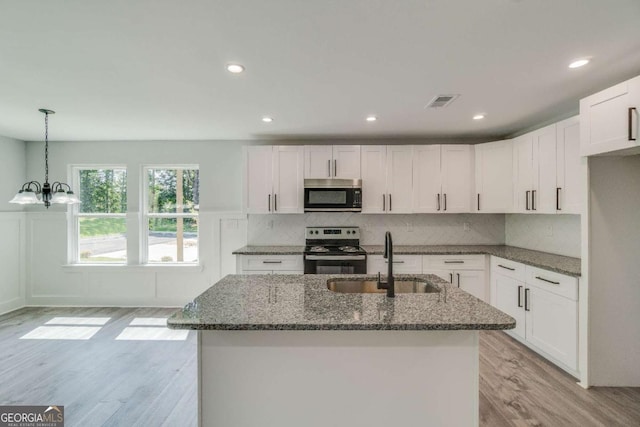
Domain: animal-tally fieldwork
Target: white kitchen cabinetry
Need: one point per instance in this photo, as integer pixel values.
(468, 272)
(274, 179)
(270, 264)
(535, 171)
(332, 161)
(442, 178)
(402, 264)
(568, 164)
(386, 178)
(494, 179)
(609, 119)
(544, 305)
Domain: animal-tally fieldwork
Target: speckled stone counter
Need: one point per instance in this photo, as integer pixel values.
(303, 302)
(558, 263)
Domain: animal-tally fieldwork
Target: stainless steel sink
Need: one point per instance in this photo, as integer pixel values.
(371, 287)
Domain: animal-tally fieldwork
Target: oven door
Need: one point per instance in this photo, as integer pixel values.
(328, 264)
(332, 199)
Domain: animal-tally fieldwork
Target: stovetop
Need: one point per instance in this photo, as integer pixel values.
(334, 250)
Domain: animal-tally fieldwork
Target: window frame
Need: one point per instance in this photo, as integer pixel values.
(74, 217)
(146, 215)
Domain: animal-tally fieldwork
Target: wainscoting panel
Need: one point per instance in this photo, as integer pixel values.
(12, 261)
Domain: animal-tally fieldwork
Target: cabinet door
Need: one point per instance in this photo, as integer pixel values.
(259, 166)
(346, 161)
(543, 199)
(399, 178)
(472, 281)
(456, 174)
(551, 325)
(569, 183)
(374, 178)
(522, 173)
(318, 161)
(288, 190)
(427, 195)
(605, 117)
(507, 294)
(494, 177)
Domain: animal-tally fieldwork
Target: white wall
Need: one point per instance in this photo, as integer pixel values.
(557, 234)
(12, 225)
(614, 271)
(415, 229)
(50, 282)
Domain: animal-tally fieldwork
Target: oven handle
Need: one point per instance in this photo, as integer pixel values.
(335, 257)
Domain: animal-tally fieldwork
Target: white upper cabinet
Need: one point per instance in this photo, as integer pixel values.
(543, 192)
(609, 119)
(427, 187)
(494, 179)
(386, 178)
(274, 179)
(374, 178)
(442, 178)
(457, 175)
(332, 161)
(522, 172)
(569, 187)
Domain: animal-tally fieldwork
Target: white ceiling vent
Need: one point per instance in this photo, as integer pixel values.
(441, 101)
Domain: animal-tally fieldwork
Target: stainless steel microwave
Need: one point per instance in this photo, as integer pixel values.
(332, 195)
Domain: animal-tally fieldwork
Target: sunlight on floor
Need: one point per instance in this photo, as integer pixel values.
(61, 333)
(152, 334)
(78, 321)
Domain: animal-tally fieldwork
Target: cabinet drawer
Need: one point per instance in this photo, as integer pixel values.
(274, 262)
(556, 283)
(402, 264)
(508, 268)
(454, 262)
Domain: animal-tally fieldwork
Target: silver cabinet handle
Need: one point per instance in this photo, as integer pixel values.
(335, 168)
(506, 268)
(454, 262)
(533, 200)
(558, 198)
(445, 201)
(451, 278)
(519, 296)
(329, 168)
(458, 274)
(630, 120)
(384, 203)
(269, 202)
(438, 201)
(526, 196)
(272, 262)
(275, 202)
(526, 300)
(390, 203)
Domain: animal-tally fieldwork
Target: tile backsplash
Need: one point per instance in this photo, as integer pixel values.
(415, 229)
(558, 234)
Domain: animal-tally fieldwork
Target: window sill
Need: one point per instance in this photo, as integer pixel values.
(154, 268)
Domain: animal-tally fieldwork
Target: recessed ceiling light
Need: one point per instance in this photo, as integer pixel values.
(478, 117)
(267, 119)
(371, 118)
(579, 63)
(235, 68)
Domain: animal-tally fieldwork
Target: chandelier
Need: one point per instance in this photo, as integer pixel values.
(34, 193)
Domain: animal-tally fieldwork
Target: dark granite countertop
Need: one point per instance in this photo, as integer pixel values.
(303, 302)
(558, 263)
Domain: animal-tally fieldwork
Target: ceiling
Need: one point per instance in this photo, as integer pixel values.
(155, 69)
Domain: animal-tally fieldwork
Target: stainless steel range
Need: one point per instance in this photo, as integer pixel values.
(334, 250)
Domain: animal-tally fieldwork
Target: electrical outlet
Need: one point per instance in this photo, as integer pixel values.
(466, 226)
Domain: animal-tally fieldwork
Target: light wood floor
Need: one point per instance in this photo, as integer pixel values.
(104, 381)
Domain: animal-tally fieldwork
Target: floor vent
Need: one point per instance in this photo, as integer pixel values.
(441, 101)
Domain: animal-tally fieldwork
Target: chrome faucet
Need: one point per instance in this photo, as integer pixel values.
(389, 285)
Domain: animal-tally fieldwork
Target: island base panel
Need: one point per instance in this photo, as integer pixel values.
(338, 378)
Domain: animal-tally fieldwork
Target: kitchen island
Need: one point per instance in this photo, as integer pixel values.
(283, 350)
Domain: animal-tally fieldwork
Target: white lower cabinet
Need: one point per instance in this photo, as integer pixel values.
(545, 307)
(270, 264)
(464, 271)
(402, 264)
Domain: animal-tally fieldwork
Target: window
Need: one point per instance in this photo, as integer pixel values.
(171, 214)
(100, 220)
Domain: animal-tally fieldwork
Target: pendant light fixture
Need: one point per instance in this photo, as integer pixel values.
(33, 192)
